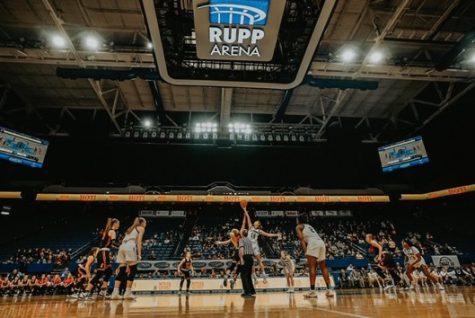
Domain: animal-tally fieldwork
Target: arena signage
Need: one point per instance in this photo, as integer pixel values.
(244, 30)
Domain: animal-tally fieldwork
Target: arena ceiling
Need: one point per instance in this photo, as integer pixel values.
(416, 83)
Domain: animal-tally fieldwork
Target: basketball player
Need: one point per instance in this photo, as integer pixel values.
(234, 268)
(130, 253)
(84, 273)
(414, 261)
(104, 267)
(255, 229)
(315, 250)
(384, 261)
(288, 267)
(185, 269)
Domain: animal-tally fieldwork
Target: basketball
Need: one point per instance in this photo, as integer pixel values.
(243, 204)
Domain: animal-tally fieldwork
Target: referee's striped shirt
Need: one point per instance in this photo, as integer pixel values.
(247, 244)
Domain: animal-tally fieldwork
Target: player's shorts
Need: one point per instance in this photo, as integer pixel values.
(127, 253)
(256, 249)
(103, 259)
(287, 270)
(186, 273)
(317, 249)
(419, 264)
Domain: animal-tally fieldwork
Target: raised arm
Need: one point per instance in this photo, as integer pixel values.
(248, 219)
(244, 219)
(271, 235)
(219, 243)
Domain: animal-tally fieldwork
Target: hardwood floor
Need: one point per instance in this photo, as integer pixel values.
(455, 302)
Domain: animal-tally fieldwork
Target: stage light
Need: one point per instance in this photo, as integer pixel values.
(206, 127)
(270, 137)
(163, 135)
(302, 138)
(240, 128)
(348, 55)
(472, 58)
(376, 57)
(188, 135)
(145, 134)
(147, 123)
(91, 42)
(179, 135)
(254, 137)
(149, 45)
(154, 134)
(128, 134)
(171, 135)
(293, 138)
(263, 137)
(278, 138)
(58, 41)
(5, 213)
(286, 138)
(136, 134)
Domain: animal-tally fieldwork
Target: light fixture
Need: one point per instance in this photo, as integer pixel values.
(348, 55)
(206, 127)
(472, 58)
(91, 42)
(149, 45)
(376, 57)
(240, 128)
(147, 123)
(58, 41)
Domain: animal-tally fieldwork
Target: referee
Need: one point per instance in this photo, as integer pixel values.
(246, 254)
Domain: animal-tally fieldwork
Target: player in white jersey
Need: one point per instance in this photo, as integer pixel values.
(288, 267)
(414, 260)
(255, 230)
(130, 253)
(315, 250)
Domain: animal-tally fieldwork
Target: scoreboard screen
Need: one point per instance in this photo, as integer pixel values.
(23, 149)
(403, 154)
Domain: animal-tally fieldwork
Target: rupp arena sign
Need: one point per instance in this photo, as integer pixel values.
(237, 29)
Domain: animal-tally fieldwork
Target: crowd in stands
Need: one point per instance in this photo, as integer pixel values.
(59, 257)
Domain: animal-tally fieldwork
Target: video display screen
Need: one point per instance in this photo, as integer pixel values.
(403, 154)
(21, 148)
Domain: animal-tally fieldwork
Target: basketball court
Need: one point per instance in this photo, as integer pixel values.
(349, 303)
(297, 148)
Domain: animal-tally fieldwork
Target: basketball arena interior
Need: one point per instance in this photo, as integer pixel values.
(237, 158)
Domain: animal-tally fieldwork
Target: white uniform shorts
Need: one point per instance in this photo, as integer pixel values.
(419, 264)
(127, 253)
(317, 249)
(256, 249)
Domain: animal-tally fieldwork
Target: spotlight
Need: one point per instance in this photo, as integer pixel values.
(58, 41)
(136, 134)
(348, 55)
(376, 57)
(128, 134)
(145, 134)
(206, 127)
(147, 123)
(91, 42)
(149, 45)
(154, 134)
(472, 58)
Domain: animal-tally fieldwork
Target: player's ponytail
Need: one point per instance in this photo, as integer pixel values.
(107, 228)
(137, 222)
